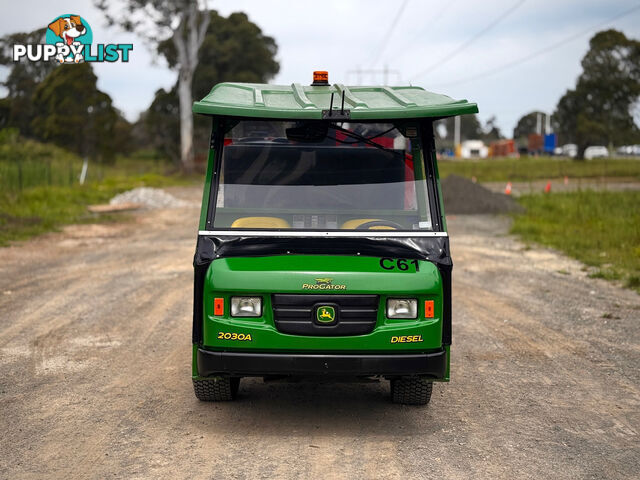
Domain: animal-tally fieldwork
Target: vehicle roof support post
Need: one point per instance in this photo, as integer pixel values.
(419, 174)
(217, 139)
(432, 163)
(208, 176)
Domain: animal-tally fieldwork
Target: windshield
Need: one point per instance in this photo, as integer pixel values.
(321, 176)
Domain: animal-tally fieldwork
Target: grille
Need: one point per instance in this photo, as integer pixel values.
(296, 314)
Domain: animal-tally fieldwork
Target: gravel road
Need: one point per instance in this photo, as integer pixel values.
(95, 371)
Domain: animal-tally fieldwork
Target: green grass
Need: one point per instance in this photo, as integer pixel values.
(26, 163)
(601, 229)
(40, 189)
(37, 210)
(539, 168)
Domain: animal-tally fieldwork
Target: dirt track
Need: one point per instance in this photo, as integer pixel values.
(95, 364)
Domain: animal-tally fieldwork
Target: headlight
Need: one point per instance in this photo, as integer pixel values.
(402, 308)
(246, 306)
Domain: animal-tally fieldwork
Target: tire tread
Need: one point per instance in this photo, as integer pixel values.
(411, 390)
(222, 389)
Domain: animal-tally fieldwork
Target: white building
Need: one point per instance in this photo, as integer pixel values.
(474, 149)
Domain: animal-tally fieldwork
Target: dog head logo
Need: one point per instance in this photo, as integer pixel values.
(72, 32)
(68, 28)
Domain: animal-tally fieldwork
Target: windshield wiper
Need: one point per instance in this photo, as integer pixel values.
(363, 139)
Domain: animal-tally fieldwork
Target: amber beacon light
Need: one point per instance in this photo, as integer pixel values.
(320, 77)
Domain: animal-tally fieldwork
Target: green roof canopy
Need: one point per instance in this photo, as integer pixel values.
(307, 102)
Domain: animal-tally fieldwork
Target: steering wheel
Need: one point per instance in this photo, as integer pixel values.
(379, 223)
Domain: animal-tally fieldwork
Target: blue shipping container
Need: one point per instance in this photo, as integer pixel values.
(550, 143)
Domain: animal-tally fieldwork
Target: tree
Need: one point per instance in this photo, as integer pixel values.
(470, 127)
(74, 114)
(234, 49)
(160, 124)
(491, 131)
(184, 23)
(528, 124)
(599, 109)
(22, 80)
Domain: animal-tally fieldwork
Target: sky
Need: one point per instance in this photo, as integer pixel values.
(439, 45)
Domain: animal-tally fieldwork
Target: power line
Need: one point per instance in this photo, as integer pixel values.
(442, 11)
(541, 51)
(455, 52)
(386, 37)
(432, 23)
(359, 72)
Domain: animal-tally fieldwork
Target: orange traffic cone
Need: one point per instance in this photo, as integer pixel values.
(547, 189)
(507, 189)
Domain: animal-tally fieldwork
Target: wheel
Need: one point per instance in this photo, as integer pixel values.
(411, 390)
(219, 389)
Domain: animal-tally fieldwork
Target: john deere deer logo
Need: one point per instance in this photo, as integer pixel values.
(326, 314)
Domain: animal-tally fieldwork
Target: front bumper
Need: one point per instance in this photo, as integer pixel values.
(209, 363)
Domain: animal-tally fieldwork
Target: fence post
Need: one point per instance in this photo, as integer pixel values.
(19, 174)
(83, 173)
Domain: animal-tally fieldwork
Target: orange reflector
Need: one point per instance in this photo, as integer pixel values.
(218, 306)
(320, 77)
(428, 309)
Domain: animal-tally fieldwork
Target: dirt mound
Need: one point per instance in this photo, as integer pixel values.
(462, 196)
(149, 197)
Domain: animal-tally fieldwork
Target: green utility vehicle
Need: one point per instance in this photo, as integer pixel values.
(322, 250)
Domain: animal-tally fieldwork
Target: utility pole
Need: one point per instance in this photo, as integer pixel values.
(547, 124)
(539, 123)
(456, 134)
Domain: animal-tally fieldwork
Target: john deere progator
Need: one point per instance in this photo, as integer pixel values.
(322, 249)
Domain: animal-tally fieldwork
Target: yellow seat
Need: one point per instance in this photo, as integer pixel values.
(356, 222)
(260, 222)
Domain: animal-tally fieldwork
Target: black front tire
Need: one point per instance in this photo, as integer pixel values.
(411, 390)
(219, 389)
